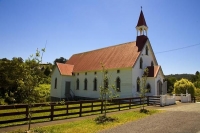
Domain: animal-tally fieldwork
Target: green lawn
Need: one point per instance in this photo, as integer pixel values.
(89, 125)
(56, 112)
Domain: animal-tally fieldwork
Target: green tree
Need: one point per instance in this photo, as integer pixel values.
(143, 88)
(170, 84)
(182, 85)
(60, 60)
(107, 91)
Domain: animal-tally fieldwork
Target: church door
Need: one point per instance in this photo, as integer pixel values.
(67, 88)
(159, 88)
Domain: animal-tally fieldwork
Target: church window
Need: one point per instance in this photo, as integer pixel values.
(55, 83)
(118, 71)
(118, 84)
(152, 63)
(106, 83)
(148, 88)
(85, 84)
(147, 50)
(138, 84)
(95, 84)
(77, 84)
(141, 63)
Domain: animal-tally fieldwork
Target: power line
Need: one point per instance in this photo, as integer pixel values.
(177, 49)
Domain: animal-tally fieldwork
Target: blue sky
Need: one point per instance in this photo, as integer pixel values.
(74, 26)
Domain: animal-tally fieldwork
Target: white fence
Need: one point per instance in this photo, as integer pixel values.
(169, 100)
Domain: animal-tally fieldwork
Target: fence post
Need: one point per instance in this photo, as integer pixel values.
(147, 100)
(119, 104)
(52, 110)
(92, 107)
(101, 106)
(140, 101)
(80, 109)
(194, 99)
(67, 108)
(130, 103)
(27, 111)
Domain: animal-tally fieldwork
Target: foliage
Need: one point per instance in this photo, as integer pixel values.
(107, 91)
(103, 119)
(170, 84)
(60, 60)
(12, 75)
(42, 92)
(197, 94)
(182, 85)
(144, 111)
(143, 87)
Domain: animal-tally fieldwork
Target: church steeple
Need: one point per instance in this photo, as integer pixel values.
(141, 25)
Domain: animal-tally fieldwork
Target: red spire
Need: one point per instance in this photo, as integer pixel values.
(141, 20)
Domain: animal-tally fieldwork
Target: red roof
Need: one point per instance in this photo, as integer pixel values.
(141, 20)
(113, 57)
(153, 71)
(65, 69)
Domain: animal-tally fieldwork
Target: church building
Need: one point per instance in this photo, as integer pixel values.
(81, 76)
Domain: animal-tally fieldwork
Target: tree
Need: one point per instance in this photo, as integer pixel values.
(60, 60)
(170, 84)
(107, 92)
(143, 89)
(182, 85)
(30, 80)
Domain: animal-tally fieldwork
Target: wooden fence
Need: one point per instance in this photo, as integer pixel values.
(69, 108)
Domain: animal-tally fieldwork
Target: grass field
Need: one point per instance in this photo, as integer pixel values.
(89, 125)
(56, 112)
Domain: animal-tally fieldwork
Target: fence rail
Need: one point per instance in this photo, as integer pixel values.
(70, 108)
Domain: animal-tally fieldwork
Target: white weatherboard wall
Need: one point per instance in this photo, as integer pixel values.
(137, 72)
(124, 75)
(56, 92)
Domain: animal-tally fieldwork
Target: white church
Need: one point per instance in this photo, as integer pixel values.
(81, 76)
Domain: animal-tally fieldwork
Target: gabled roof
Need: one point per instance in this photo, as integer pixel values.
(65, 69)
(113, 57)
(153, 71)
(141, 20)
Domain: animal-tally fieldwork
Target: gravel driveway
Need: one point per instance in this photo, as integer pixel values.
(183, 118)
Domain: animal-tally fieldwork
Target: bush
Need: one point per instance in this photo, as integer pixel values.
(182, 85)
(102, 119)
(197, 94)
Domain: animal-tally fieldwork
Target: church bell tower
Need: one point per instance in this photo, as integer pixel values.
(141, 25)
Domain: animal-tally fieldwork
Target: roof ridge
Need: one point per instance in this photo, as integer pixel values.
(105, 47)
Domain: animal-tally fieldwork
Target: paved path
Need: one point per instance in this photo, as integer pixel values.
(177, 119)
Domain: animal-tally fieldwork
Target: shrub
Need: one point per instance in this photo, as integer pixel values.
(103, 119)
(182, 85)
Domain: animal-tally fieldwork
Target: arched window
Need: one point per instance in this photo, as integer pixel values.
(147, 50)
(152, 63)
(148, 88)
(77, 84)
(55, 87)
(138, 84)
(106, 83)
(118, 85)
(85, 84)
(141, 63)
(95, 84)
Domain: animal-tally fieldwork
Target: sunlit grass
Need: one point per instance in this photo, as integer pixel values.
(58, 112)
(89, 125)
